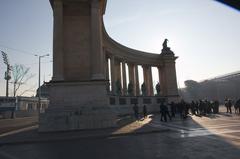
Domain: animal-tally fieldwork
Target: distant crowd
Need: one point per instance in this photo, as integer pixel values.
(198, 108)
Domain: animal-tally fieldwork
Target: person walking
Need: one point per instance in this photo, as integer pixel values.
(230, 105)
(136, 113)
(162, 111)
(145, 111)
(173, 109)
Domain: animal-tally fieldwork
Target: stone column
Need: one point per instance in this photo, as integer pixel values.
(58, 70)
(147, 73)
(113, 78)
(124, 78)
(151, 93)
(170, 78)
(118, 76)
(117, 70)
(145, 78)
(162, 81)
(131, 75)
(97, 58)
(137, 80)
(107, 75)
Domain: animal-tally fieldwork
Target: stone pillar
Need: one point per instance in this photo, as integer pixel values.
(118, 77)
(124, 86)
(113, 78)
(145, 78)
(107, 74)
(151, 93)
(58, 71)
(117, 70)
(137, 80)
(147, 73)
(80, 101)
(162, 81)
(170, 78)
(131, 76)
(97, 58)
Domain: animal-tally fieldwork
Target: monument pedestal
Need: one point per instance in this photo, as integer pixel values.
(77, 105)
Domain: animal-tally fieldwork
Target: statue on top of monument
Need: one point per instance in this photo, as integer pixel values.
(166, 50)
(165, 44)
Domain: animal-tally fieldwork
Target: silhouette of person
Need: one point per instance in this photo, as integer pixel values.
(135, 109)
(164, 112)
(165, 44)
(144, 111)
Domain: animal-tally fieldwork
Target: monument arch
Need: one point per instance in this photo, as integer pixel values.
(80, 94)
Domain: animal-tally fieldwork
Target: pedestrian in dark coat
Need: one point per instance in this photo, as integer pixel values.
(135, 109)
(144, 111)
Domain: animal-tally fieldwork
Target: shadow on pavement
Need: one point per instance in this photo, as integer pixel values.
(148, 138)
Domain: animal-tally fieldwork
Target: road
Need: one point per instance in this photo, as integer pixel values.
(7, 125)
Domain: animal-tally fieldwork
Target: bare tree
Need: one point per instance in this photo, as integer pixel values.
(21, 75)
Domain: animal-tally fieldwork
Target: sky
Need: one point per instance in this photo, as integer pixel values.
(204, 34)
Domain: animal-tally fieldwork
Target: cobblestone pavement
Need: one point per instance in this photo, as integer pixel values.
(212, 137)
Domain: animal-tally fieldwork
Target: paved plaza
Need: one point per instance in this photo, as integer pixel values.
(214, 136)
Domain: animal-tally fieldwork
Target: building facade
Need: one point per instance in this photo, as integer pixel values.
(22, 106)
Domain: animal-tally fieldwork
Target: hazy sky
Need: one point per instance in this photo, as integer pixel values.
(204, 34)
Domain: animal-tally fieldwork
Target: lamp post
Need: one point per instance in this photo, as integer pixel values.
(7, 73)
(39, 81)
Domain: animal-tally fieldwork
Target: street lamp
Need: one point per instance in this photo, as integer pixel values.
(39, 81)
(7, 73)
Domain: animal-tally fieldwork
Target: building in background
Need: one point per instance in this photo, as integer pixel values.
(21, 106)
(217, 88)
(44, 91)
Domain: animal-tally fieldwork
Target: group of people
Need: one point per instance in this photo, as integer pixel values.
(198, 108)
(229, 103)
(136, 111)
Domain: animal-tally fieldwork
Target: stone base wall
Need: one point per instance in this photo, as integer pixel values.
(123, 105)
(81, 105)
(77, 119)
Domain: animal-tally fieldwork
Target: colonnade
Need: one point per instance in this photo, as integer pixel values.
(118, 73)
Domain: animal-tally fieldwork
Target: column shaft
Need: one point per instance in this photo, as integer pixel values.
(161, 81)
(124, 78)
(58, 65)
(131, 76)
(118, 77)
(107, 75)
(117, 70)
(150, 81)
(145, 77)
(137, 80)
(113, 78)
(97, 58)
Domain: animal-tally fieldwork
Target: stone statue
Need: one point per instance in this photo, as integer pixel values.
(118, 87)
(165, 44)
(158, 88)
(130, 88)
(144, 89)
(166, 50)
